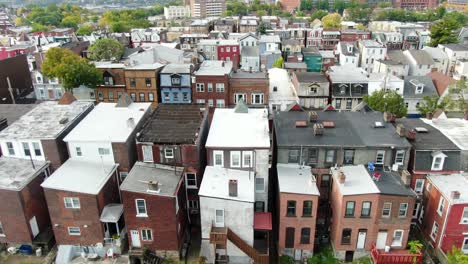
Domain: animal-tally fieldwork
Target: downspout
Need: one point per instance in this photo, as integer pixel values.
(445, 225)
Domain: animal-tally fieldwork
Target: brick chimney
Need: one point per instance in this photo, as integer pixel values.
(389, 117)
(429, 115)
(313, 116)
(406, 177)
(400, 130)
(318, 129)
(411, 135)
(455, 195)
(341, 177)
(67, 98)
(233, 188)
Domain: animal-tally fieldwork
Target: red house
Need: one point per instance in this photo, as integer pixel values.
(229, 50)
(354, 35)
(211, 83)
(445, 221)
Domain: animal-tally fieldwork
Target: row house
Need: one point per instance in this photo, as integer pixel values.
(291, 49)
(38, 135)
(351, 35)
(297, 206)
(329, 39)
(248, 40)
(298, 34)
(314, 36)
(269, 43)
(371, 209)
(83, 197)
(348, 86)
(190, 41)
(395, 63)
(176, 84)
(415, 89)
(328, 59)
(348, 53)
(455, 53)
(175, 135)
(200, 26)
(229, 50)
(219, 49)
(370, 51)
(282, 93)
(427, 157)
(224, 25)
(420, 62)
(234, 191)
(210, 84)
(312, 88)
(250, 87)
(250, 59)
(148, 190)
(391, 40)
(441, 61)
(329, 139)
(293, 67)
(139, 36)
(247, 25)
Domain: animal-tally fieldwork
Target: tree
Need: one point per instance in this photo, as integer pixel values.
(387, 101)
(319, 14)
(278, 63)
(458, 96)
(430, 104)
(106, 49)
(84, 30)
(262, 28)
(323, 5)
(71, 21)
(306, 5)
(339, 6)
(384, 4)
(261, 13)
(70, 69)
(456, 256)
(331, 21)
(443, 31)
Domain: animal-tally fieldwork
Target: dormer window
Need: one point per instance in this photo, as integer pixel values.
(419, 89)
(438, 159)
(343, 89)
(175, 79)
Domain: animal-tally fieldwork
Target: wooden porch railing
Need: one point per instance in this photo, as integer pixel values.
(394, 258)
(218, 235)
(247, 249)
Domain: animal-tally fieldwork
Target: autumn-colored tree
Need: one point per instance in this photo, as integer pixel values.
(331, 21)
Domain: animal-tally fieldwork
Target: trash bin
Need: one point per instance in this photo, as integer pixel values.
(39, 252)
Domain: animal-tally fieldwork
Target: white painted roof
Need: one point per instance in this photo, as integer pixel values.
(214, 67)
(285, 89)
(80, 176)
(108, 123)
(44, 121)
(294, 178)
(446, 184)
(231, 129)
(456, 129)
(347, 73)
(216, 184)
(357, 180)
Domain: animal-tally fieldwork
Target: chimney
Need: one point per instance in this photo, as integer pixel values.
(455, 195)
(131, 123)
(222, 64)
(406, 177)
(341, 177)
(411, 135)
(313, 116)
(233, 188)
(67, 99)
(318, 129)
(389, 117)
(153, 186)
(429, 115)
(400, 130)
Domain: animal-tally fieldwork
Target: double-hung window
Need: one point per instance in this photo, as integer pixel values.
(147, 153)
(348, 156)
(400, 157)
(464, 218)
(418, 186)
(11, 149)
(141, 207)
(366, 209)
(350, 209)
(435, 230)
(397, 238)
(235, 159)
(403, 210)
(330, 156)
(146, 235)
(307, 208)
(72, 202)
(220, 87)
(169, 153)
(191, 180)
(103, 151)
(218, 158)
(2, 231)
(200, 87)
(387, 210)
(247, 159)
(74, 231)
(257, 98)
(291, 208)
(380, 157)
(293, 156)
(37, 149)
(440, 208)
(26, 149)
(259, 185)
(78, 151)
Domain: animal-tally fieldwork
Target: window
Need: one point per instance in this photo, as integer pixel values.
(220, 87)
(147, 151)
(348, 156)
(219, 217)
(259, 185)
(2, 231)
(403, 210)
(11, 149)
(397, 238)
(349, 209)
(220, 103)
(434, 231)
(330, 156)
(218, 158)
(78, 151)
(148, 82)
(146, 235)
(313, 89)
(313, 155)
(387, 210)
(428, 187)
(141, 207)
(307, 209)
(123, 175)
(200, 87)
(438, 162)
(119, 94)
(257, 98)
(346, 236)
(305, 235)
(380, 157)
(259, 206)
(175, 96)
(175, 80)
(419, 185)
(293, 156)
(111, 96)
(151, 97)
(132, 82)
(133, 96)
(325, 182)
(192, 204)
(72, 202)
(235, 159)
(291, 208)
(169, 153)
(464, 247)
(142, 97)
(191, 180)
(210, 102)
(74, 231)
(167, 97)
(400, 157)
(228, 49)
(26, 149)
(103, 151)
(440, 208)
(240, 96)
(464, 219)
(338, 103)
(246, 159)
(366, 209)
(234, 49)
(210, 87)
(185, 96)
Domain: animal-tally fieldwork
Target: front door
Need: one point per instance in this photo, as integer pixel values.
(219, 218)
(349, 255)
(361, 240)
(34, 226)
(135, 238)
(381, 239)
(297, 254)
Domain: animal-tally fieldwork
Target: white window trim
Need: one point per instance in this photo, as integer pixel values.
(389, 212)
(166, 153)
(419, 190)
(73, 204)
(138, 214)
(441, 202)
(263, 189)
(3, 230)
(442, 160)
(34, 149)
(400, 242)
(75, 234)
(103, 151)
(215, 152)
(383, 157)
(150, 152)
(433, 234)
(143, 237)
(464, 220)
(78, 152)
(246, 153)
(401, 152)
(223, 222)
(235, 153)
(262, 98)
(463, 243)
(186, 181)
(406, 210)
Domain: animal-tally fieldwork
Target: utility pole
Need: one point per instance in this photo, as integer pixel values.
(11, 90)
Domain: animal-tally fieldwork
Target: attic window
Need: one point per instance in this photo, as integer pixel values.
(301, 123)
(378, 125)
(275, 88)
(420, 129)
(328, 124)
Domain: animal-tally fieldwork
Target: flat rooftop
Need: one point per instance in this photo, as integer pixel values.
(15, 173)
(294, 178)
(168, 178)
(279, 78)
(176, 68)
(215, 184)
(456, 129)
(80, 176)
(347, 74)
(214, 68)
(13, 112)
(45, 121)
(450, 183)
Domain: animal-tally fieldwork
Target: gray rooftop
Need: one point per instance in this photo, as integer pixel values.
(167, 177)
(310, 51)
(13, 112)
(421, 57)
(46, 121)
(397, 56)
(309, 77)
(409, 87)
(456, 47)
(295, 65)
(352, 129)
(344, 48)
(214, 67)
(176, 68)
(390, 183)
(17, 173)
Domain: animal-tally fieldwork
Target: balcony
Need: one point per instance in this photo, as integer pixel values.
(218, 235)
(395, 256)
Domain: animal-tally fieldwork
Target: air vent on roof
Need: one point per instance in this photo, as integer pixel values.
(420, 129)
(318, 129)
(455, 195)
(378, 125)
(328, 124)
(63, 121)
(301, 123)
(313, 116)
(153, 186)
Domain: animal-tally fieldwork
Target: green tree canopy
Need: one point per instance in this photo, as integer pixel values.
(106, 49)
(323, 5)
(278, 63)
(319, 14)
(458, 96)
(84, 30)
(331, 21)
(70, 69)
(430, 104)
(387, 101)
(456, 256)
(443, 31)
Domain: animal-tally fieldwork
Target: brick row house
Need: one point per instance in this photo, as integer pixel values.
(210, 83)
(251, 87)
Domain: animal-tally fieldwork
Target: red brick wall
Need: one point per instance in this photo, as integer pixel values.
(233, 56)
(248, 86)
(211, 95)
(354, 36)
(55, 151)
(454, 230)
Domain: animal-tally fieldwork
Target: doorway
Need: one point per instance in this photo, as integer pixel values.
(361, 240)
(349, 256)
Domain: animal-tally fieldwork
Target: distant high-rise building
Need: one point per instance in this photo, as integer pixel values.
(207, 8)
(415, 4)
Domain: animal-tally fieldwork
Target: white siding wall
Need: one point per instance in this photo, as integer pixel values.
(90, 151)
(19, 152)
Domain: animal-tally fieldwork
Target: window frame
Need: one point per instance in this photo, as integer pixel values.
(247, 154)
(232, 155)
(389, 210)
(441, 206)
(2, 230)
(290, 160)
(348, 237)
(74, 233)
(262, 190)
(28, 149)
(344, 156)
(362, 209)
(377, 154)
(291, 204)
(464, 219)
(145, 233)
(465, 242)
(400, 152)
(327, 156)
(10, 148)
(254, 101)
(103, 151)
(200, 87)
(149, 151)
(187, 180)
(138, 213)
(434, 231)
(220, 88)
(218, 152)
(347, 214)
(305, 236)
(74, 202)
(168, 150)
(400, 215)
(34, 144)
(400, 242)
(304, 214)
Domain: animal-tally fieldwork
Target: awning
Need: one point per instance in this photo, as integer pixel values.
(111, 213)
(262, 221)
